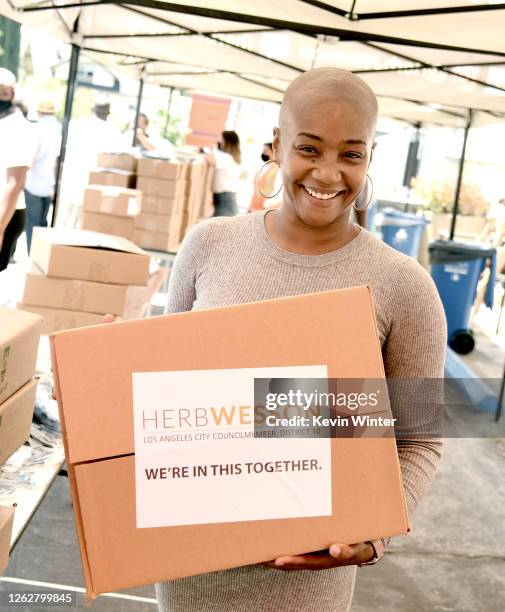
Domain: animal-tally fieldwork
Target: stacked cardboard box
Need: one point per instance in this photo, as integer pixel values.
(163, 187)
(6, 520)
(110, 202)
(19, 341)
(110, 210)
(77, 276)
(116, 170)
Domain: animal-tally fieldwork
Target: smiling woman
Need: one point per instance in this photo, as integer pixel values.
(323, 145)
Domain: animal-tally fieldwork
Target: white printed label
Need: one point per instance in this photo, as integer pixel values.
(197, 460)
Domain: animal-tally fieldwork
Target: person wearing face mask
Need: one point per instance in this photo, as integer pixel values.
(16, 155)
(266, 185)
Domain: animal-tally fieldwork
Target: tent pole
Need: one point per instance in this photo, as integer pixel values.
(455, 207)
(165, 129)
(137, 112)
(69, 100)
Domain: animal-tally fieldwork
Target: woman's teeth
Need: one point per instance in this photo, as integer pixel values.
(320, 196)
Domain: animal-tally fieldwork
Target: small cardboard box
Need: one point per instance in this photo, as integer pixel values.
(108, 176)
(108, 224)
(85, 255)
(159, 169)
(6, 522)
(19, 342)
(110, 378)
(112, 200)
(155, 205)
(126, 301)
(160, 187)
(153, 223)
(121, 161)
(16, 415)
(156, 241)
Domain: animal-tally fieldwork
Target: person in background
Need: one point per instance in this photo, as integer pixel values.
(16, 155)
(226, 161)
(39, 187)
(143, 139)
(87, 137)
(265, 181)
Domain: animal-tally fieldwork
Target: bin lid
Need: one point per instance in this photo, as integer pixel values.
(392, 216)
(449, 251)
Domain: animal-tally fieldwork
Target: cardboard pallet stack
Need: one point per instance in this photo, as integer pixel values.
(163, 187)
(77, 276)
(19, 340)
(110, 205)
(194, 195)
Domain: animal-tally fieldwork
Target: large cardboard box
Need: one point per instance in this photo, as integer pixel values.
(126, 301)
(160, 188)
(16, 420)
(156, 241)
(115, 381)
(112, 200)
(108, 176)
(19, 342)
(155, 205)
(85, 255)
(108, 224)
(121, 161)
(159, 169)
(6, 522)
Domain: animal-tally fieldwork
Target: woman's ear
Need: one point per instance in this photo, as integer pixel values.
(276, 145)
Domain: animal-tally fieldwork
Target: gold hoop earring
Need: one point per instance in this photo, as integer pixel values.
(369, 199)
(267, 197)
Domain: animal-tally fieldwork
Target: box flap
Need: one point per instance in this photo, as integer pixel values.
(85, 238)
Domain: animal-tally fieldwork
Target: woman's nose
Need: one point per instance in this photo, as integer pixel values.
(327, 173)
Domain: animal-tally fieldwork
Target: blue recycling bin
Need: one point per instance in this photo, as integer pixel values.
(456, 268)
(401, 230)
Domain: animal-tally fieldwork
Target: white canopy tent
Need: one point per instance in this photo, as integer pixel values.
(429, 62)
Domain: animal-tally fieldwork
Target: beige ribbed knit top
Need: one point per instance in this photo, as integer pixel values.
(232, 260)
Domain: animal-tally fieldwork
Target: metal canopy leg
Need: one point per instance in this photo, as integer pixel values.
(137, 112)
(460, 177)
(69, 100)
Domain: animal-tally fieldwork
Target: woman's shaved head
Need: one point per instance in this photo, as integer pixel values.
(323, 85)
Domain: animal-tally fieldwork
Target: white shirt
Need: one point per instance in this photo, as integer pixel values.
(40, 178)
(17, 147)
(226, 173)
(87, 137)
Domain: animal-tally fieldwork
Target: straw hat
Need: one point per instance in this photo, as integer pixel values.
(46, 106)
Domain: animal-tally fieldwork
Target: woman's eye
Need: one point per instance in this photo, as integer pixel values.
(307, 149)
(353, 155)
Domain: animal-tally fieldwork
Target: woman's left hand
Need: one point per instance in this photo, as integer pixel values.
(336, 556)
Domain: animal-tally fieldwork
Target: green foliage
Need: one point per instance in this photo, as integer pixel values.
(438, 196)
(10, 37)
(171, 129)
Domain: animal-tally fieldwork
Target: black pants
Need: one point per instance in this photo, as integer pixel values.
(225, 204)
(37, 208)
(12, 232)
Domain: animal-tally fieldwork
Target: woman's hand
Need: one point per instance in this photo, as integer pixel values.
(336, 556)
